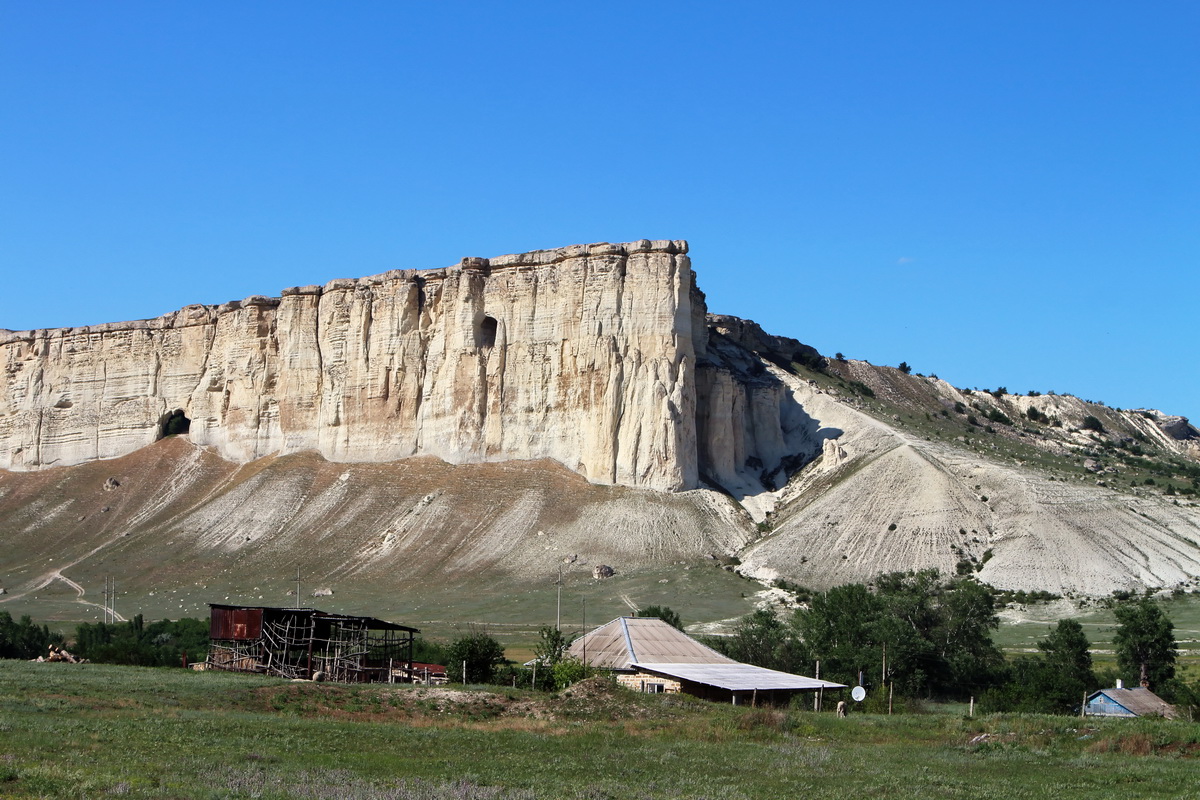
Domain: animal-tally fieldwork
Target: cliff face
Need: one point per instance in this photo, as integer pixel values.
(586, 355)
(601, 358)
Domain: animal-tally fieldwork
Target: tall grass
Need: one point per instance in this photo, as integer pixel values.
(96, 731)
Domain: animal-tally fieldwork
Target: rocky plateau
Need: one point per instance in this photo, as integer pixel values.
(500, 418)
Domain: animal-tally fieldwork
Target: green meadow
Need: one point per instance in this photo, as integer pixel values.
(97, 731)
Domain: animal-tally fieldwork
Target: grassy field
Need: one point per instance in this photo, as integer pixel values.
(1016, 637)
(93, 731)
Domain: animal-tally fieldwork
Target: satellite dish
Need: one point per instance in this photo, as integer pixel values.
(858, 693)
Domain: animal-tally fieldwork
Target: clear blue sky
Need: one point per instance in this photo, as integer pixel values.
(1001, 193)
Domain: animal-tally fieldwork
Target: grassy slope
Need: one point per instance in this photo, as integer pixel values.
(82, 731)
(1099, 624)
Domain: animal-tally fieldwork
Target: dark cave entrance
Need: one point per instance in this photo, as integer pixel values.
(485, 336)
(173, 423)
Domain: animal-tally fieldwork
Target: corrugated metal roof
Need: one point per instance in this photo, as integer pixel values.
(1139, 701)
(737, 677)
(625, 640)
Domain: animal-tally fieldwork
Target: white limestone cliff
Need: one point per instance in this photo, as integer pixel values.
(586, 355)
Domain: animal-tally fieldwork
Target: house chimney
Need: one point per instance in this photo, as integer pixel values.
(1120, 683)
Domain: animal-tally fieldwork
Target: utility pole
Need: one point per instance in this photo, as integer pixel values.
(558, 612)
(297, 587)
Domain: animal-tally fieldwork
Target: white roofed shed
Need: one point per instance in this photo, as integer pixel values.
(648, 655)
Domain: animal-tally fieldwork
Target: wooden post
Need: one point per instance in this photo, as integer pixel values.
(464, 675)
(891, 691)
(972, 712)
(817, 694)
(754, 698)
(1083, 706)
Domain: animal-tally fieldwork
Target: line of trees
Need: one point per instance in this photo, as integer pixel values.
(160, 644)
(930, 636)
(23, 639)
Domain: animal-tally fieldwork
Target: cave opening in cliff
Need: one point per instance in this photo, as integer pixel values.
(486, 335)
(173, 423)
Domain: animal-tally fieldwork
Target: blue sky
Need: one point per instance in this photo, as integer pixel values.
(1002, 193)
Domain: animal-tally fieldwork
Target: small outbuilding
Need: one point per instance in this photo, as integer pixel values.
(648, 655)
(1122, 702)
(309, 643)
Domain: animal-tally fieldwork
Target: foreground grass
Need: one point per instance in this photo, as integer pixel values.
(93, 731)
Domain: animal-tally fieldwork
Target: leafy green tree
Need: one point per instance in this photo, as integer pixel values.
(760, 638)
(428, 651)
(1053, 682)
(905, 368)
(24, 639)
(1067, 668)
(552, 645)
(1145, 643)
(568, 671)
(925, 633)
(481, 653)
(664, 613)
(841, 629)
(963, 635)
(159, 644)
(1090, 423)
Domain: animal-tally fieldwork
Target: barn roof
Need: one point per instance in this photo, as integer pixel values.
(274, 612)
(629, 640)
(1138, 700)
(737, 677)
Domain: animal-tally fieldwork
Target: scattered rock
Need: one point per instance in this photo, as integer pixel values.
(601, 571)
(110, 484)
(323, 593)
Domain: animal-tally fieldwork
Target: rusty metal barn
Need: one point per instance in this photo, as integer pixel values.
(307, 642)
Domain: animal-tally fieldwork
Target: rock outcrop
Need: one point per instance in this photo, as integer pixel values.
(586, 355)
(377, 412)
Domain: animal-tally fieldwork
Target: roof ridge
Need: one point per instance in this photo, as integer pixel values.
(628, 640)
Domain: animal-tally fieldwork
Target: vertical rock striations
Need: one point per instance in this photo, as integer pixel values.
(585, 354)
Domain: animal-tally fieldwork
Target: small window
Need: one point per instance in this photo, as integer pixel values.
(654, 688)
